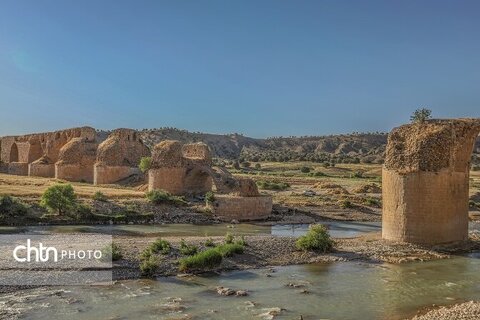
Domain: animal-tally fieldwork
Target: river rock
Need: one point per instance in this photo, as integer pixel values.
(225, 291)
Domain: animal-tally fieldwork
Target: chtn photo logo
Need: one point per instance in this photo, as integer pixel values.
(41, 253)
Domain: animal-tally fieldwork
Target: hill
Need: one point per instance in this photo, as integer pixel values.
(346, 148)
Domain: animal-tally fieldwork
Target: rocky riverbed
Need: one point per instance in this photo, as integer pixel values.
(463, 311)
(263, 251)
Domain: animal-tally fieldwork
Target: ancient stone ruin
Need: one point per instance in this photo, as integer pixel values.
(425, 181)
(79, 154)
(74, 154)
(180, 169)
(118, 156)
(187, 169)
(36, 154)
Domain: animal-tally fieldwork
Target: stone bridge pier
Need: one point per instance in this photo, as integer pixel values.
(425, 181)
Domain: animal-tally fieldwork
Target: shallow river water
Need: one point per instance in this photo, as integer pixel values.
(345, 290)
(341, 290)
(336, 229)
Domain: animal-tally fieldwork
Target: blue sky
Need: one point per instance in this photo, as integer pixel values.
(262, 68)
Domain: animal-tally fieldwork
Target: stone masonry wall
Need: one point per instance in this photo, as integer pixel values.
(425, 181)
(228, 207)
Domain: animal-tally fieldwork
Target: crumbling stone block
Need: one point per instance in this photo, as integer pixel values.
(118, 156)
(425, 181)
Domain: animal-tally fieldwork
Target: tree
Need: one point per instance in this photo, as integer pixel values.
(145, 164)
(60, 198)
(421, 115)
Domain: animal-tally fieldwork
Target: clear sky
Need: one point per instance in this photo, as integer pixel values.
(262, 68)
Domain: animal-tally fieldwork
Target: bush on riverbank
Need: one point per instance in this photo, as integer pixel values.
(149, 265)
(160, 196)
(186, 249)
(204, 260)
(112, 252)
(316, 239)
(160, 246)
(12, 207)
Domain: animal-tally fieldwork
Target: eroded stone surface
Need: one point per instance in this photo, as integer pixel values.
(425, 181)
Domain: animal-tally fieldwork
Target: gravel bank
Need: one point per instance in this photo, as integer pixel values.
(463, 311)
(264, 251)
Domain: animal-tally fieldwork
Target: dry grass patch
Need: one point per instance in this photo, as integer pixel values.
(24, 186)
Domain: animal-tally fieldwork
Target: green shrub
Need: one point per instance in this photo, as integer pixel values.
(59, 198)
(186, 249)
(305, 169)
(229, 238)
(357, 174)
(316, 239)
(372, 202)
(228, 249)
(345, 204)
(84, 211)
(204, 260)
(146, 253)
(245, 164)
(258, 166)
(145, 164)
(100, 196)
(12, 207)
(317, 174)
(149, 266)
(209, 243)
(209, 197)
(112, 252)
(160, 246)
(269, 185)
(476, 168)
(472, 204)
(160, 196)
(242, 241)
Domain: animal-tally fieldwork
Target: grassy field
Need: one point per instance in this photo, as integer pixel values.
(33, 187)
(333, 186)
(321, 186)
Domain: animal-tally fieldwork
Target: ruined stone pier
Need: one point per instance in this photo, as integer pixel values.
(425, 181)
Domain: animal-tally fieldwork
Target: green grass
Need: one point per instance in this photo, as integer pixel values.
(204, 260)
(316, 239)
(229, 249)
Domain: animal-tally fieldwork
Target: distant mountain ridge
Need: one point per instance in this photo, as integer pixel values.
(355, 147)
